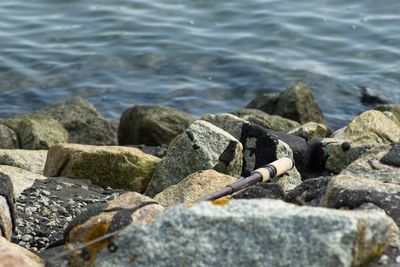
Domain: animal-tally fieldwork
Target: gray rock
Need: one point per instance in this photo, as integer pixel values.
(261, 190)
(253, 233)
(265, 102)
(20, 178)
(260, 146)
(309, 193)
(395, 109)
(84, 124)
(13, 255)
(36, 131)
(339, 153)
(299, 104)
(8, 138)
(203, 146)
(31, 160)
(260, 118)
(151, 125)
(345, 191)
(370, 128)
(372, 165)
(311, 130)
(7, 207)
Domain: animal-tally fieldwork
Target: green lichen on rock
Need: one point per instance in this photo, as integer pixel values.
(36, 131)
(107, 166)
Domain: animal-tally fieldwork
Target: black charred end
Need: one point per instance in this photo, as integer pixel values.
(229, 153)
(346, 146)
(392, 158)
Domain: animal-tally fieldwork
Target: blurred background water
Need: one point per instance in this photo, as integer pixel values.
(200, 56)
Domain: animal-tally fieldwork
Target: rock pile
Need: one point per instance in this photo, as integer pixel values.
(69, 196)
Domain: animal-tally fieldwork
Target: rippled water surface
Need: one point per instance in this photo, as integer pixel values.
(199, 56)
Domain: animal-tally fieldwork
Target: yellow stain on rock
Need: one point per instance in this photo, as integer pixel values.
(221, 201)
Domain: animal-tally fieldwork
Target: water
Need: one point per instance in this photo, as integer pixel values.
(199, 56)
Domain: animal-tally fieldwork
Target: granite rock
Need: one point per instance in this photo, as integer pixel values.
(108, 166)
(151, 125)
(311, 130)
(84, 124)
(21, 179)
(203, 146)
(253, 232)
(8, 138)
(30, 160)
(14, 255)
(193, 187)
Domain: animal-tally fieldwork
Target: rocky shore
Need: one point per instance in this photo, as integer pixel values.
(78, 189)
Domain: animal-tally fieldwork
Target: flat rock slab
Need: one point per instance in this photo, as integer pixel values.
(21, 179)
(30, 160)
(14, 255)
(45, 209)
(377, 164)
(194, 187)
(346, 191)
(203, 146)
(108, 166)
(252, 233)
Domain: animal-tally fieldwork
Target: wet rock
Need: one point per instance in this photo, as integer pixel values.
(8, 138)
(84, 124)
(36, 131)
(21, 179)
(262, 119)
(261, 190)
(260, 146)
(46, 208)
(372, 128)
(14, 255)
(345, 191)
(371, 96)
(194, 187)
(151, 125)
(117, 167)
(265, 102)
(203, 146)
(395, 109)
(311, 130)
(296, 103)
(30, 160)
(299, 104)
(124, 210)
(339, 154)
(377, 164)
(309, 193)
(253, 233)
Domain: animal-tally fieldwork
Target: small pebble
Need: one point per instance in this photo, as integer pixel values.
(384, 259)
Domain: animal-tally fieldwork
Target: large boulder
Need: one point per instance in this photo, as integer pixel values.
(380, 163)
(36, 131)
(309, 193)
(108, 218)
(260, 146)
(296, 103)
(46, 208)
(21, 179)
(84, 124)
(338, 154)
(14, 255)
(370, 128)
(253, 233)
(8, 138)
(193, 187)
(260, 118)
(345, 191)
(203, 146)
(151, 125)
(31, 160)
(108, 166)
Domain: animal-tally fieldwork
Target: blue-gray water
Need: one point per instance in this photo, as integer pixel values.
(199, 56)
